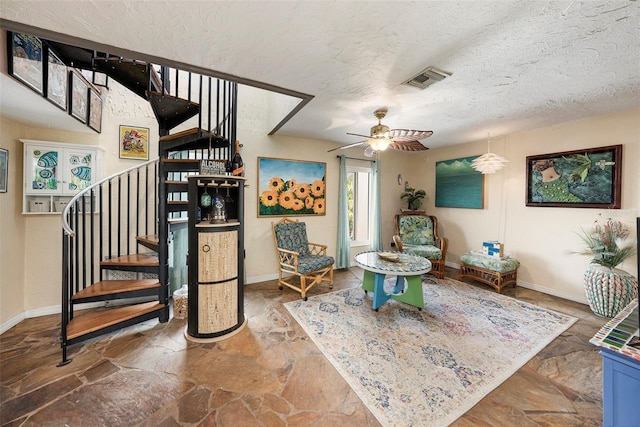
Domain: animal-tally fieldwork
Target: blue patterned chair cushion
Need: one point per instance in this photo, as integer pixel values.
(427, 251)
(293, 237)
(416, 230)
(309, 263)
(501, 265)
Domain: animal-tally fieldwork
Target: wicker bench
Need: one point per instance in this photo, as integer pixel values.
(495, 272)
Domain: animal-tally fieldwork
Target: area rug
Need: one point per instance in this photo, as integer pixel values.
(427, 367)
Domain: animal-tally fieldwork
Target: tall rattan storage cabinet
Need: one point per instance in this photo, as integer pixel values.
(216, 256)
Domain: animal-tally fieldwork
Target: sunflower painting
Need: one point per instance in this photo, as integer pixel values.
(290, 187)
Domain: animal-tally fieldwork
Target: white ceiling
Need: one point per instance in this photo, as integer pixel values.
(514, 65)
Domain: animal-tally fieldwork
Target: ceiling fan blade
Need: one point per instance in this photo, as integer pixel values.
(411, 145)
(406, 135)
(342, 147)
(357, 134)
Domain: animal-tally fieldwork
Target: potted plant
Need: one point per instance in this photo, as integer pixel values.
(608, 288)
(414, 197)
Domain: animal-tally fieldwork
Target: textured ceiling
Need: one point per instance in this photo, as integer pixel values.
(514, 65)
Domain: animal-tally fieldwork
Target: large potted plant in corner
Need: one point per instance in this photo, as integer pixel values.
(414, 198)
(608, 288)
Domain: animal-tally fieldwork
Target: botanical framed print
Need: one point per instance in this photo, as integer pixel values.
(587, 178)
(79, 104)
(291, 187)
(95, 110)
(57, 80)
(4, 169)
(458, 184)
(134, 142)
(25, 60)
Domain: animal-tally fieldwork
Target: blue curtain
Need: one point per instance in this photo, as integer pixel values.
(344, 243)
(376, 235)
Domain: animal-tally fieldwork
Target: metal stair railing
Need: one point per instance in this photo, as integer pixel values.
(101, 222)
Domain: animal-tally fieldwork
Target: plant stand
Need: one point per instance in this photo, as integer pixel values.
(609, 290)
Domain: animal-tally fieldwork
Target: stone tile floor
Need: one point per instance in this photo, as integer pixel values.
(269, 374)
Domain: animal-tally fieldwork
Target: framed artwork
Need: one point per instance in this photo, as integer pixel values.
(57, 80)
(589, 178)
(458, 184)
(79, 105)
(100, 79)
(134, 142)
(25, 60)
(95, 110)
(291, 187)
(4, 169)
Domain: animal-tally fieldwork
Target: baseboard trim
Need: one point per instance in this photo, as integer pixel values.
(553, 292)
(538, 288)
(12, 322)
(45, 311)
(258, 279)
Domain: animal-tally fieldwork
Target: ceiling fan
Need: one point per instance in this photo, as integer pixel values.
(382, 137)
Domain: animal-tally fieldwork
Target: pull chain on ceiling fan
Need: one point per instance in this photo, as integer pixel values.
(381, 137)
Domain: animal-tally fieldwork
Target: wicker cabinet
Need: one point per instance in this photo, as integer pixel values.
(216, 257)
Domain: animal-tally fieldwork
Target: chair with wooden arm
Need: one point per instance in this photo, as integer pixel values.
(299, 258)
(417, 234)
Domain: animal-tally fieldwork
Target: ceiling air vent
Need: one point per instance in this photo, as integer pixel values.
(426, 78)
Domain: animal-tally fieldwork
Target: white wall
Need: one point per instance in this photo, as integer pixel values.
(30, 259)
(542, 238)
(13, 261)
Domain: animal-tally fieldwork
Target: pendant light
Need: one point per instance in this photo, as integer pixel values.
(488, 162)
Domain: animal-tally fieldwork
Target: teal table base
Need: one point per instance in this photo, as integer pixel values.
(408, 289)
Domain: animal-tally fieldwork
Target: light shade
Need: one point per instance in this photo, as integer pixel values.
(488, 162)
(380, 144)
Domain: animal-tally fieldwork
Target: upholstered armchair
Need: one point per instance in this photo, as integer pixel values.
(417, 234)
(299, 258)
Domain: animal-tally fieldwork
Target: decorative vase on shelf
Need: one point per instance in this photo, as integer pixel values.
(609, 290)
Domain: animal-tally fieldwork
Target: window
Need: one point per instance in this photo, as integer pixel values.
(358, 201)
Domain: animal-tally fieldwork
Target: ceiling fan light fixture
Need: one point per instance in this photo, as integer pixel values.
(380, 144)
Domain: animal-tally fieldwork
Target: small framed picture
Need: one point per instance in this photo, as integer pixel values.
(95, 110)
(25, 60)
(100, 79)
(4, 169)
(79, 89)
(57, 80)
(134, 142)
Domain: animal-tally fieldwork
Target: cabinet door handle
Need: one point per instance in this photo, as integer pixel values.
(206, 248)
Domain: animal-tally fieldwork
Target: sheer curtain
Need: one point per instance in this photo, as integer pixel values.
(376, 233)
(344, 243)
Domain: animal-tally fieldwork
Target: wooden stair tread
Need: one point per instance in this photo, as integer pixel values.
(107, 287)
(191, 161)
(85, 323)
(151, 239)
(133, 260)
(192, 131)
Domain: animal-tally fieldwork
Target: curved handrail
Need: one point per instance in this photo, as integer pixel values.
(66, 228)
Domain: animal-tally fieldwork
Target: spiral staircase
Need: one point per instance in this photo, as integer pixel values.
(115, 237)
